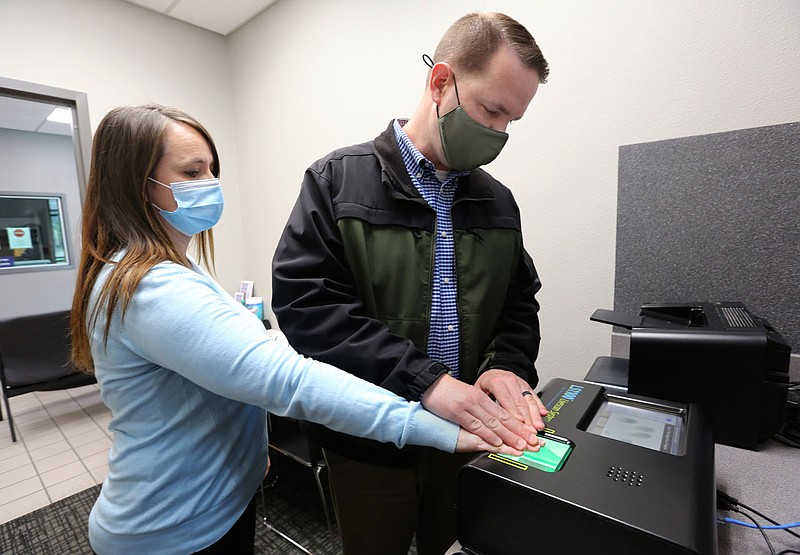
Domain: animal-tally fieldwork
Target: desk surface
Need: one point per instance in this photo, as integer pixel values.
(767, 480)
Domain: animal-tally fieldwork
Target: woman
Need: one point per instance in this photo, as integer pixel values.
(187, 372)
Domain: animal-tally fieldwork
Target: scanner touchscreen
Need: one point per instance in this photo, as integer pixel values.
(628, 421)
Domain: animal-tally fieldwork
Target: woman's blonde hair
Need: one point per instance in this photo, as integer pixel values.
(117, 215)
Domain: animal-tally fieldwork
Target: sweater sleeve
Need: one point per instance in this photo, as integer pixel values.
(181, 320)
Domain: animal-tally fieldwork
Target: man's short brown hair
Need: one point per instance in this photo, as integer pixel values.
(471, 41)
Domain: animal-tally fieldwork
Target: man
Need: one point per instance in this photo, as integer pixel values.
(403, 263)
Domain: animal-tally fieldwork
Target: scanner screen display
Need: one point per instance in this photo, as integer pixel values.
(659, 430)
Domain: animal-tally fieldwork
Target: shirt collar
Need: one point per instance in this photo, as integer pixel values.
(413, 158)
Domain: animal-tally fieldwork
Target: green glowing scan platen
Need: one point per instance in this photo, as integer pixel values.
(550, 457)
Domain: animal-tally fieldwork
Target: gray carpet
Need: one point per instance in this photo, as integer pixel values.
(293, 507)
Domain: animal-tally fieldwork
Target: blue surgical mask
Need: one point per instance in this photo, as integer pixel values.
(199, 208)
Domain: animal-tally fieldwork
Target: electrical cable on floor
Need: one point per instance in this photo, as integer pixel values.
(763, 532)
(768, 519)
(727, 502)
(761, 526)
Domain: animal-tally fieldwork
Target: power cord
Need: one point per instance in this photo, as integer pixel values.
(727, 502)
(760, 529)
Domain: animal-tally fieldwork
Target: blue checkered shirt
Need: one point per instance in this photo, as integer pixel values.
(443, 336)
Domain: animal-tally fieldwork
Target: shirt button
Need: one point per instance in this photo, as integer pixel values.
(447, 280)
(419, 175)
(450, 327)
(444, 234)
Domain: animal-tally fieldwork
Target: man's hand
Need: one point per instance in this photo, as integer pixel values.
(473, 410)
(514, 394)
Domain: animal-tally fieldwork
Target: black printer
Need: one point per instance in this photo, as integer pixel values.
(715, 354)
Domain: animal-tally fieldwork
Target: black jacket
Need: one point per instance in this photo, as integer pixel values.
(352, 271)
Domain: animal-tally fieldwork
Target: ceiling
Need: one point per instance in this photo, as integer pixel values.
(30, 115)
(222, 17)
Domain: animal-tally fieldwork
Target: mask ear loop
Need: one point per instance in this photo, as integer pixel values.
(429, 62)
(162, 184)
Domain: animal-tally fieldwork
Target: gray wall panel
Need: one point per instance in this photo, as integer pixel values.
(713, 217)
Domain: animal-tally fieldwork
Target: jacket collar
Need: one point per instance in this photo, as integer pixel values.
(476, 185)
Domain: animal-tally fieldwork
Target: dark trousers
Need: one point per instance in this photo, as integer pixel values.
(379, 509)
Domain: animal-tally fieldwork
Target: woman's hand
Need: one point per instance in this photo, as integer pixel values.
(469, 442)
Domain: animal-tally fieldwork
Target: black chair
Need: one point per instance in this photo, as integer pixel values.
(290, 438)
(34, 356)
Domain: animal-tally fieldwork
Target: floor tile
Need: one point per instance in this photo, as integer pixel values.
(86, 396)
(15, 462)
(9, 449)
(94, 447)
(49, 450)
(19, 474)
(98, 413)
(91, 437)
(24, 403)
(62, 448)
(62, 473)
(95, 461)
(70, 486)
(99, 473)
(21, 489)
(52, 396)
(70, 418)
(51, 436)
(84, 434)
(103, 423)
(55, 461)
(23, 505)
(40, 429)
(35, 415)
(63, 409)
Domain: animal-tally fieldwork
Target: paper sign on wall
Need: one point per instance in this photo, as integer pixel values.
(19, 237)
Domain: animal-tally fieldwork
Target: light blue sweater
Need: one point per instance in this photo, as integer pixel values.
(188, 375)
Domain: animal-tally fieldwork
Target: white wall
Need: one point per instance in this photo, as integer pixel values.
(313, 75)
(119, 53)
(43, 164)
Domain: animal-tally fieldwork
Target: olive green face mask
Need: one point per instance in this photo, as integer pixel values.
(467, 144)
